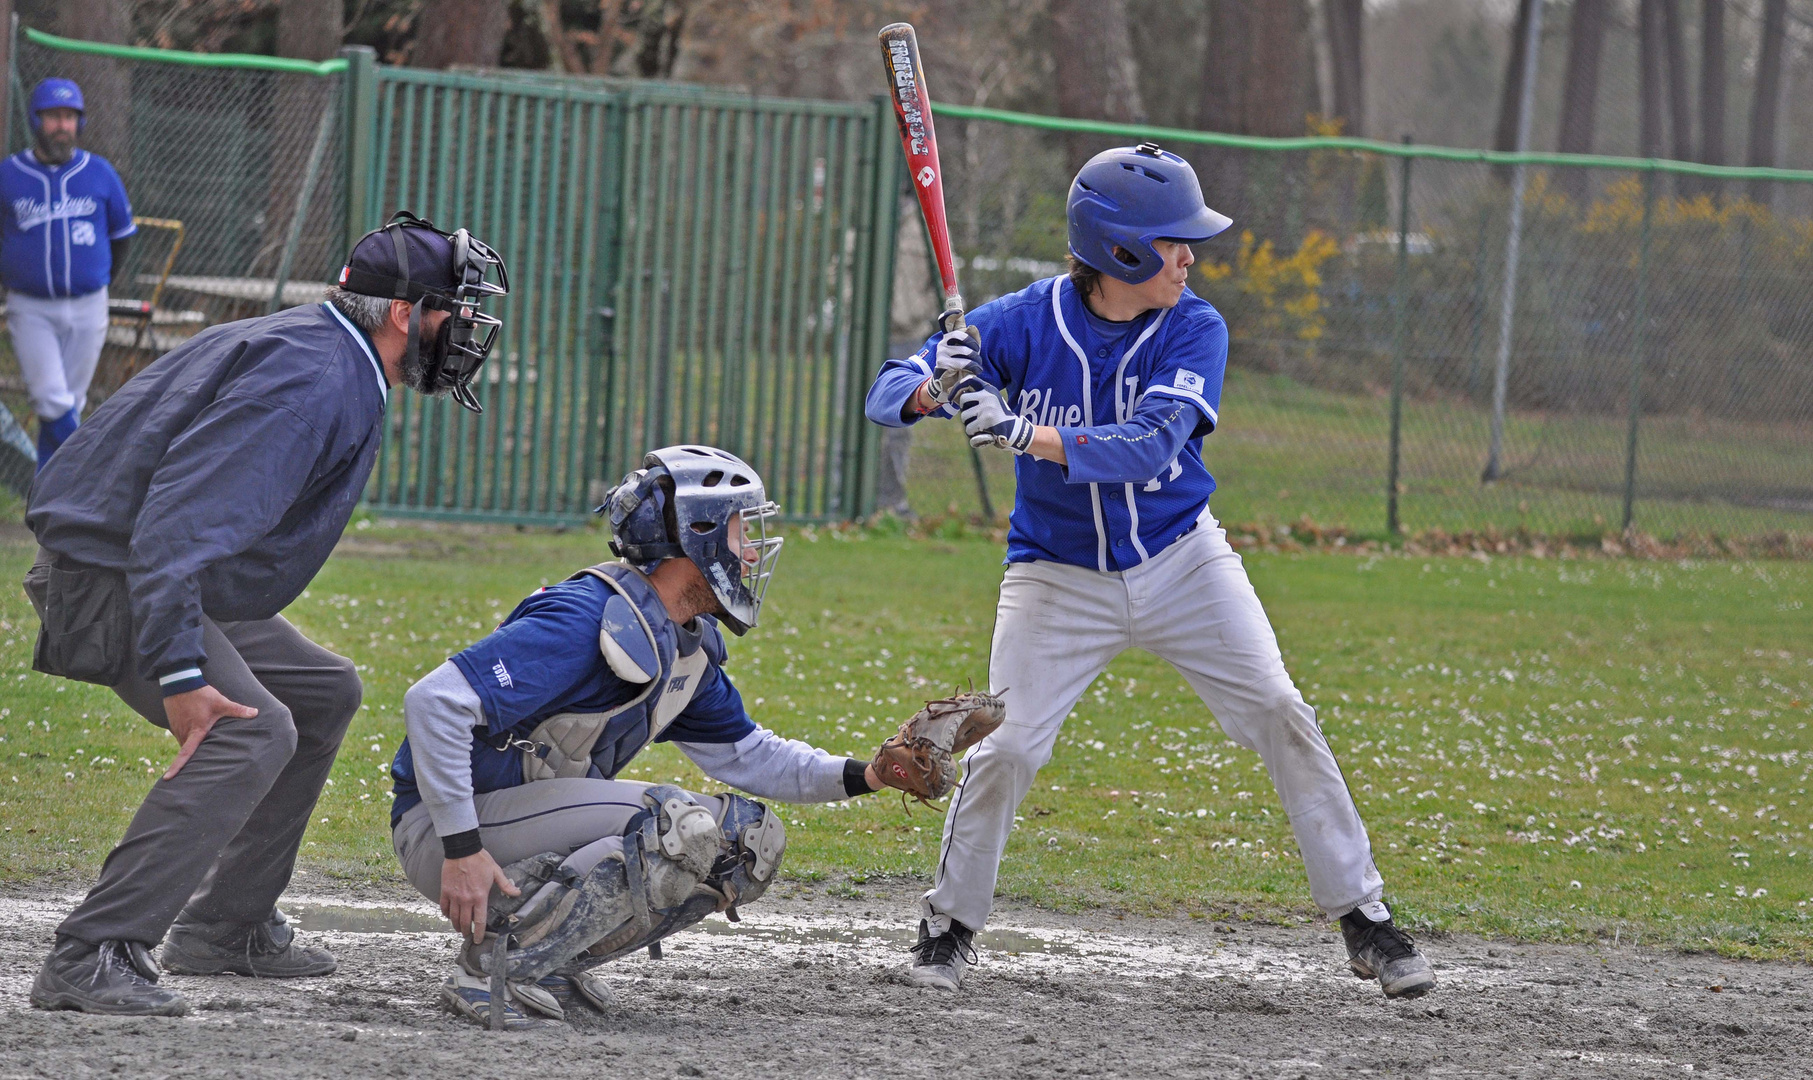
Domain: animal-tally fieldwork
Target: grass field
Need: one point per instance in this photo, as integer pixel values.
(1285, 450)
(1543, 749)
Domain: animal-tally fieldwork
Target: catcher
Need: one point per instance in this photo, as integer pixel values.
(506, 809)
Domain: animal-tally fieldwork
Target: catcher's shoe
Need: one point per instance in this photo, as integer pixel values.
(582, 987)
(265, 950)
(1379, 950)
(115, 978)
(939, 959)
(471, 998)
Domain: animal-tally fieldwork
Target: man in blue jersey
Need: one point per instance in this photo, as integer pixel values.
(1112, 376)
(173, 528)
(63, 232)
(508, 810)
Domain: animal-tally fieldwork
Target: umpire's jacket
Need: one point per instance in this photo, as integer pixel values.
(219, 478)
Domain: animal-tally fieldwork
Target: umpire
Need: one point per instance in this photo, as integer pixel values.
(174, 526)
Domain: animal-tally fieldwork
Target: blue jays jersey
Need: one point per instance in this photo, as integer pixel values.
(1131, 402)
(59, 222)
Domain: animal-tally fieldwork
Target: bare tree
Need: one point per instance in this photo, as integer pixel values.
(1346, 26)
(1275, 78)
(1097, 76)
(1766, 105)
(1649, 79)
(449, 32)
(1580, 91)
(308, 29)
(1680, 112)
(104, 82)
(1223, 106)
(1712, 82)
(1505, 136)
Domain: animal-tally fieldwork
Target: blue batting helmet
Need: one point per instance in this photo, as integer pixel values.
(1127, 198)
(56, 94)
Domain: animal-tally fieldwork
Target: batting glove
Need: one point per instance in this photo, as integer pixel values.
(987, 421)
(959, 356)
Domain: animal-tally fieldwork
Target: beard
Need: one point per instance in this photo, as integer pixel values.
(697, 596)
(415, 371)
(55, 149)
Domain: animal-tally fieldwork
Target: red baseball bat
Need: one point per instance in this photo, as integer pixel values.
(913, 111)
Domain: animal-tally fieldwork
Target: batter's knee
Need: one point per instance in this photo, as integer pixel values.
(1006, 761)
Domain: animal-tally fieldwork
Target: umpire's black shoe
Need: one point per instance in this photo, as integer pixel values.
(118, 978)
(265, 950)
(1379, 950)
(939, 959)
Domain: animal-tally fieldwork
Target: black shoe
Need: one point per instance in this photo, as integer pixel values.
(118, 978)
(265, 950)
(1379, 950)
(939, 959)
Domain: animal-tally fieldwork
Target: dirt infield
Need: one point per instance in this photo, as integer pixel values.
(809, 986)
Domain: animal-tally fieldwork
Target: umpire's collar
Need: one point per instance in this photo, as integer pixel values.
(365, 343)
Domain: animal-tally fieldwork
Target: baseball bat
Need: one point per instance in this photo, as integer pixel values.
(913, 112)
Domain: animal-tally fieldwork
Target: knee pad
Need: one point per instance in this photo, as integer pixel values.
(754, 841)
(668, 850)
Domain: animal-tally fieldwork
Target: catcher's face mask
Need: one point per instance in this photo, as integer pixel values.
(452, 357)
(706, 505)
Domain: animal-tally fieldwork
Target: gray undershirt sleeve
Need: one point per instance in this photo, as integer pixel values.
(440, 713)
(770, 767)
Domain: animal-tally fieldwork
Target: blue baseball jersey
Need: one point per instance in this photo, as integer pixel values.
(1131, 402)
(57, 229)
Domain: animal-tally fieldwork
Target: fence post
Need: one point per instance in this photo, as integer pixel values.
(1637, 350)
(361, 106)
(1400, 344)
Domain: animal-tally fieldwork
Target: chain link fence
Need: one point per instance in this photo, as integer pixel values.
(234, 169)
(1655, 368)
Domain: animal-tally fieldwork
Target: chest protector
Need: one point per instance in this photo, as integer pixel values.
(563, 743)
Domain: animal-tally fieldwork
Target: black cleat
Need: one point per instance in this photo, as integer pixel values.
(1379, 950)
(116, 978)
(939, 959)
(265, 950)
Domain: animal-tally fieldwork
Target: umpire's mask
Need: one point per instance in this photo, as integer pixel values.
(410, 259)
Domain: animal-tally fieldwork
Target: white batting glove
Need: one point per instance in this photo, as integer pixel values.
(987, 421)
(958, 357)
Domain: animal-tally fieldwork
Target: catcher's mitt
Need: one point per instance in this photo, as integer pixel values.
(920, 758)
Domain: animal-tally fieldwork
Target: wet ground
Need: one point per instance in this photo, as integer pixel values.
(809, 985)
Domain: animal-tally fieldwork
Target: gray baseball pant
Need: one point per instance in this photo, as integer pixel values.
(222, 834)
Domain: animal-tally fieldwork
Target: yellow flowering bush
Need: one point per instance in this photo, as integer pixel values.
(1271, 295)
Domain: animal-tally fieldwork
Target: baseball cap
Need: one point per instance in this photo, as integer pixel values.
(403, 261)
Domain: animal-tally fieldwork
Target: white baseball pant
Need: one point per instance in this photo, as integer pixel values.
(58, 343)
(1058, 626)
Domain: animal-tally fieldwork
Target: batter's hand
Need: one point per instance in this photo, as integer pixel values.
(466, 892)
(959, 357)
(192, 715)
(988, 423)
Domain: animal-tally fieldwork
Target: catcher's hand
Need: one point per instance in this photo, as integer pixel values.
(920, 758)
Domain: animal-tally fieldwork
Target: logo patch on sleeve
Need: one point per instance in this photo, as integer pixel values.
(1188, 380)
(503, 675)
(1082, 440)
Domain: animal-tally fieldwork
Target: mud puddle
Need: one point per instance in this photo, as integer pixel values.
(812, 986)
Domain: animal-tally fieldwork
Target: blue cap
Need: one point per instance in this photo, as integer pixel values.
(56, 94)
(374, 269)
(1129, 197)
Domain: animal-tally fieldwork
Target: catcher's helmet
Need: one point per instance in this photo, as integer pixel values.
(448, 271)
(703, 504)
(56, 94)
(1127, 198)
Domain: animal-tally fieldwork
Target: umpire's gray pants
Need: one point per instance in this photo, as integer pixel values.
(222, 834)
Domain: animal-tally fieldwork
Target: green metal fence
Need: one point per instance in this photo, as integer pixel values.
(686, 266)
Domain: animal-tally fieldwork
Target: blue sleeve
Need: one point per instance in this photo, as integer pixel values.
(119, 208)
(1191, 369)
(715, 714)
(543, 656)
(896, 383)
(1133, 452)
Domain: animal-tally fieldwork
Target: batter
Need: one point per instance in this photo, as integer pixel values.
(1108, 379)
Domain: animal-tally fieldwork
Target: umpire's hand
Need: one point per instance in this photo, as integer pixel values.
(193, 714)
